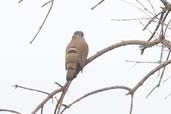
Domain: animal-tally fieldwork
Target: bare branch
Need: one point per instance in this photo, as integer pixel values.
(46, 99)
(163, 20)
(167, 96)
(46, 3)
(123, 43)
(158, 85)
(17, 86)
(144, 7)
(52, 1)
(131, 106)
(166, 79)
(153, 19)
(97, 4)
(12, 111)
(151, 91)
(136, 7)
(142, 61)
(152, 7)
(98, 91)
(59, 104)
(144, 26)
(133, 19)
(166, 43)
(140, 83)
(167, 26)
(20, 1)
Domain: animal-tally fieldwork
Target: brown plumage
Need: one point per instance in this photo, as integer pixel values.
(76, 55)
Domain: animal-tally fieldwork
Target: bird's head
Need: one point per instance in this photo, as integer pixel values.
(79, 33)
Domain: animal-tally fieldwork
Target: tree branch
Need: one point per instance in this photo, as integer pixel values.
(158, 85)
(140, 83)
(59, 104)
(52, 1)
(46, 99)
(12, 111)
(17, 86)
(123, 43)
(97, 91)
(97, 4)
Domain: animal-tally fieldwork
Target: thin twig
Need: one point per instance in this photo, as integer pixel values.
(152, 7)
(46, 3)
(18, 86)
(151, 91)
(153, 19)
(42, 110)
(167, 26)
(161, 57)
(167, 96)
(11, 111)
(158, 85)
(144, 26)
(158, 62)
(58, 84)
(20, 1)
(144, 7)
(132, 102)
(97, 4)
(162, 28)
(166, 79)
(52, 1)
(158, 25)
(133, 19)
(136, 7)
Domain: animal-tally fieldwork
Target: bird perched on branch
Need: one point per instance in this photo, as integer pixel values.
(75, 60)
(76, 55)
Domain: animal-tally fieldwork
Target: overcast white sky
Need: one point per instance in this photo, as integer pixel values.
(41, 64)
